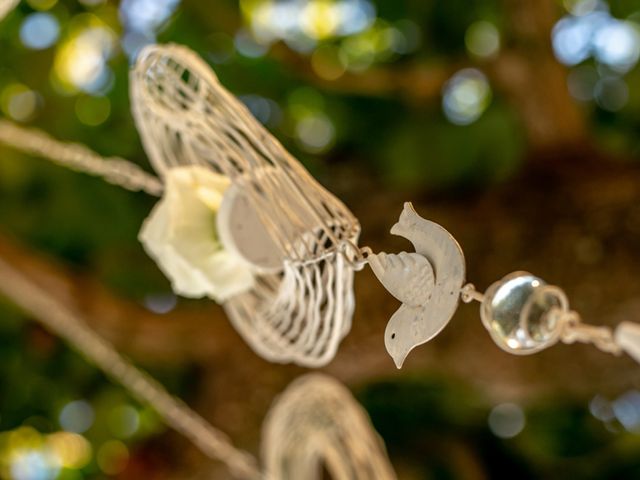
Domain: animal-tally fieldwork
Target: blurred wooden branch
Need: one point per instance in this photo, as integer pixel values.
(533, 80)
(185, 334)
(72, 328)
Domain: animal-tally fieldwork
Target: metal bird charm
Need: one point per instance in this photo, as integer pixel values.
(427, 282)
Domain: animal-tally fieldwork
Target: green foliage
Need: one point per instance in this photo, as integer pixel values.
(444, 425)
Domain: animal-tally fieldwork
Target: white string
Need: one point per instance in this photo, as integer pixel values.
(573, 330)
(57, 318)
(115, 170)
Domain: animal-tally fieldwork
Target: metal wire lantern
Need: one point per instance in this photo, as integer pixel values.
(298, 237)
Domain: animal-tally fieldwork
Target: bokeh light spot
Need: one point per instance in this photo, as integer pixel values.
(482, 39)
(112, 457)
(303, 23)
(146, 15)
(591, 31)
(611, 93)
(264, 109)
(582, 81)
(617, 44)
(19, 102)
(76, 416)
(92, 111)
(601, 408)
(247, 45)
(160, 303)
(42, 4)
(81, 60)
(124, 421)
(33, 465)
(377, 43)
(466, 96)
(319, 20)
(71, 450)
(326, 62)
(580, 7)
(626, 409)
(315, 132)
(506, 420)
(39, 31)
(572, 37)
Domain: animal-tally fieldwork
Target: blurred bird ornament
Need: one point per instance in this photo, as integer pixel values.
(317, 423)
(521, 312)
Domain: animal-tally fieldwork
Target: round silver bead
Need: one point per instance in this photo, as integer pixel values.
(521, 312)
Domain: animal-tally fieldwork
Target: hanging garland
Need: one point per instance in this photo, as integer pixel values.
(283, 251)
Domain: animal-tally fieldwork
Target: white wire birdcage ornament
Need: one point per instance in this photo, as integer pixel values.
(316, 422)
(299, 239)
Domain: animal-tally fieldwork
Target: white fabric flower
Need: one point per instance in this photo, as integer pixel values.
(180, 234)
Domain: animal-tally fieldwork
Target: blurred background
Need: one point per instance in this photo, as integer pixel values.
(513, 123)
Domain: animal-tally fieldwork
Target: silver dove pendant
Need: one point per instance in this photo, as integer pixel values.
(522, 313)
(427, 282)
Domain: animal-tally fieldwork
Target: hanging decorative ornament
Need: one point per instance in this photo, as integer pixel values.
(521, 312)
(427, 283)
(315, 423)
(242, 222)
(286, 245)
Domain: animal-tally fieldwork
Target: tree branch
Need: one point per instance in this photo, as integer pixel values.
(182, 335)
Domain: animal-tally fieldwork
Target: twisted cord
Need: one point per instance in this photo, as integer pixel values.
(57, 318)
(6, 6)
(115, 170)
(573, 330)
(468, 294)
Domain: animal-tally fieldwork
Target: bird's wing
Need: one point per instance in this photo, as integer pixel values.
(412, 326)
(407, 276)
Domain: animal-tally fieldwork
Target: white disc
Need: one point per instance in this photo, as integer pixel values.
(242, 232)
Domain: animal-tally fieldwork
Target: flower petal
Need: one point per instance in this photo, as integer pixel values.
(180, 234)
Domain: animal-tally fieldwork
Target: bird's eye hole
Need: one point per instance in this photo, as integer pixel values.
(393, 335)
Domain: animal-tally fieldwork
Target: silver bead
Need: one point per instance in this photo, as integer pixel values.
(521, 312)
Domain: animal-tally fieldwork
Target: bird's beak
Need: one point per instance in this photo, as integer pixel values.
(399, 359)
